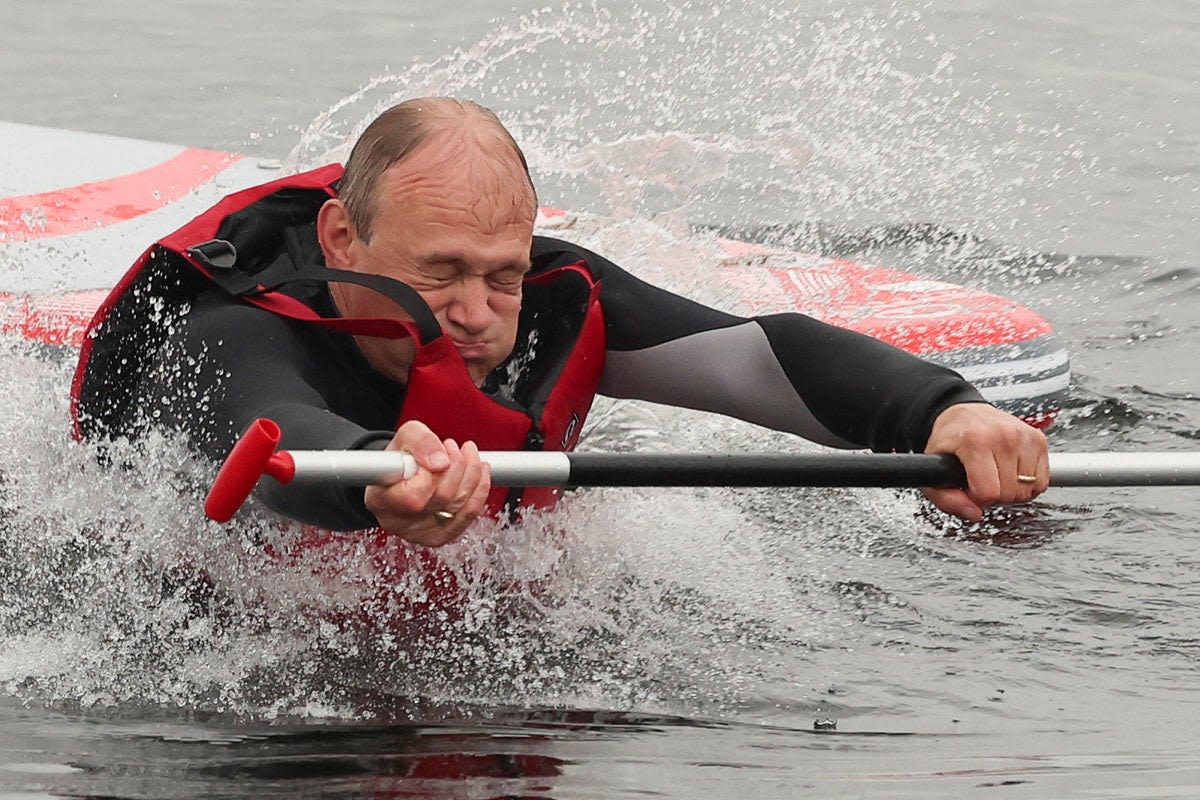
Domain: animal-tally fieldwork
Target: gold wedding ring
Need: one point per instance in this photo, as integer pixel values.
(442, 517)
(1026, 478)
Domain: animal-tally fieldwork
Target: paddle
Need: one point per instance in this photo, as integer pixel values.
(254, 456)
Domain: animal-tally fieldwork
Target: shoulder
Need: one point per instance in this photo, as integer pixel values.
(214, 314)
(235, 327)
(550, 253)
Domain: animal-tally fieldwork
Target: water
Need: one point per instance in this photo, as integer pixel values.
(683, 643)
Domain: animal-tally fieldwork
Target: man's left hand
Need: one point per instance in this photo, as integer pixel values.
(995, 448)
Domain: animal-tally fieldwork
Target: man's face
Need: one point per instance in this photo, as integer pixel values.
(454, 220)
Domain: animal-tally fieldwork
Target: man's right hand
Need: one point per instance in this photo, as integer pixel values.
(450, 479)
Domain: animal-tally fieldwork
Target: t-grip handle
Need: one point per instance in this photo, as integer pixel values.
(252, 457)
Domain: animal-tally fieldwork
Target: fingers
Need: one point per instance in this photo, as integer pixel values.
(1006, 460)
(433, 507)
(477, 502)
(985, 486)
(1041, 471)
(429, 451)
(457, 485)
(956, 502)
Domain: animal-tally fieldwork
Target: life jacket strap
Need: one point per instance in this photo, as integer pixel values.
(220, 258)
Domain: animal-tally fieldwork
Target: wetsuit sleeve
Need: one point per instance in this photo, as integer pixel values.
(239, 363)
(789, 372)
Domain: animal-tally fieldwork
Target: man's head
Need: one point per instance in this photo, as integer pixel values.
(436, 194)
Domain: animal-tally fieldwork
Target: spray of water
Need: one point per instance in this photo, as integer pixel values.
(102, 601)
(660, 119)
(775, 113)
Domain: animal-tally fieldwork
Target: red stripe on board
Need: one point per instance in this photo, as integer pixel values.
(97, 205)
(50, 319)
(918, 315)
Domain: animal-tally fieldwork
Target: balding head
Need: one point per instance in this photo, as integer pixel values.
(405, 128)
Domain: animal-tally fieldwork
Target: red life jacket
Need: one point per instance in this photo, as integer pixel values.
(237, 246)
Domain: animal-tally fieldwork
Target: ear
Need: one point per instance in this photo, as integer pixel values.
(336, 233)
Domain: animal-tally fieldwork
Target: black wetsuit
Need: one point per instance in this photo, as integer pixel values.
(228, 363)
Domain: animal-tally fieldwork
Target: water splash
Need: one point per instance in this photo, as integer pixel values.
(661, 119)
(775, 113)
(330, 135)
(100, 604)
(704, 603)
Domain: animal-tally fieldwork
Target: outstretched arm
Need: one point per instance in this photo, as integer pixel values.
(785, 371)
(833, 386)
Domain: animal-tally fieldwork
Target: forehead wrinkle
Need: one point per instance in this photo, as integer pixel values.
(500, 191)
(487, 152)
(486, 172)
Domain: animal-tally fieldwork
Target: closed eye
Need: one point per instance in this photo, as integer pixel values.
(507, 278)
(442, 272)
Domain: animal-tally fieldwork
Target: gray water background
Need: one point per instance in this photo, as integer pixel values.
(1050, 153)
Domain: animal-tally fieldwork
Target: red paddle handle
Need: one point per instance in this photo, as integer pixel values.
(252, 457)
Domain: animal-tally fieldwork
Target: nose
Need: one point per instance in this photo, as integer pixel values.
(469, 307)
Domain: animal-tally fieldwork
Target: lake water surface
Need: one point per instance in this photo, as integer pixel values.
(687, 642)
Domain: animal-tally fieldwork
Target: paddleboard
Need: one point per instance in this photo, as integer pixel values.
(76, 209)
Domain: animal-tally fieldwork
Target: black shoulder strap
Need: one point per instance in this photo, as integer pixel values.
(295, 266)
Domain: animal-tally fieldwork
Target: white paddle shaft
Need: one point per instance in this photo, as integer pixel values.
(521, 468)
(1125, 469)
(362, 467)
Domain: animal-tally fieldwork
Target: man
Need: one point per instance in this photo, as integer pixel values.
(506, 339)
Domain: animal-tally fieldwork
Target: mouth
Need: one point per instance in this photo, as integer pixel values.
(472, 350)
